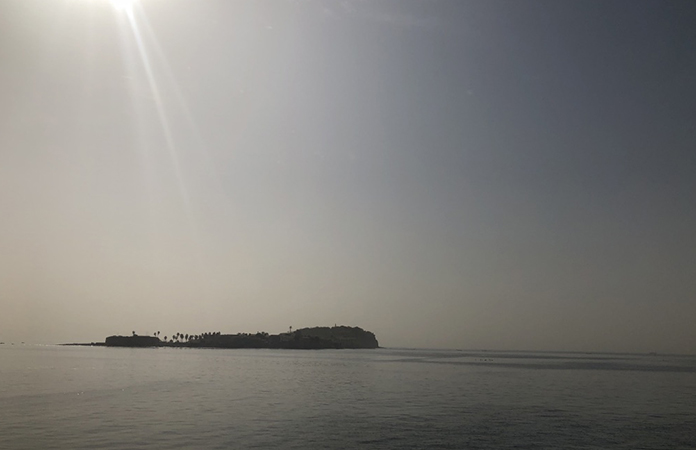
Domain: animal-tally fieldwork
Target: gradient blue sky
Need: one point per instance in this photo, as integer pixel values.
(463, 174)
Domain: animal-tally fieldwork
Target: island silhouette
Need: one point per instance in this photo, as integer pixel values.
(336, 337)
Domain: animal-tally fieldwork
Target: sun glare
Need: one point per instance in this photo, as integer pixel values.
(123, 5)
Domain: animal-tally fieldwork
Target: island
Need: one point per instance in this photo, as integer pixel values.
(336, 337)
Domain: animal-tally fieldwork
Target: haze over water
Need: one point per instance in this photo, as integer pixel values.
(460, 174)
(516, 176)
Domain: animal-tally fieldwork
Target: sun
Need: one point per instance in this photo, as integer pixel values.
(123, 5)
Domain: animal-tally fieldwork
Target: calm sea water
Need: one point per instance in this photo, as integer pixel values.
(106, 398)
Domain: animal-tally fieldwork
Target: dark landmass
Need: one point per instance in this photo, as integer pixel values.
(132, 341)
(88, 344)
(336, 337)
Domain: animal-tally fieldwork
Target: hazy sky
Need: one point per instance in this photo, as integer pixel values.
(463, 174)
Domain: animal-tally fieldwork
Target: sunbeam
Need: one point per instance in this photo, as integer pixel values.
(132, 10)
(191, 122)
(164, 122)
(123, 5)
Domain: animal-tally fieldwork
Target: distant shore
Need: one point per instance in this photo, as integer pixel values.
(317, 338)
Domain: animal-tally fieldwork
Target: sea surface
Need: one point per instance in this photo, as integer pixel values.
(54, 397)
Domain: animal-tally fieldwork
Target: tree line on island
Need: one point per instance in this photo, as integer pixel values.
(335, 337)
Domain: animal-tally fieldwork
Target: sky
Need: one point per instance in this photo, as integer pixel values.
(515, 175)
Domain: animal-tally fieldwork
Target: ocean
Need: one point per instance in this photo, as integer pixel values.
(54, 397)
